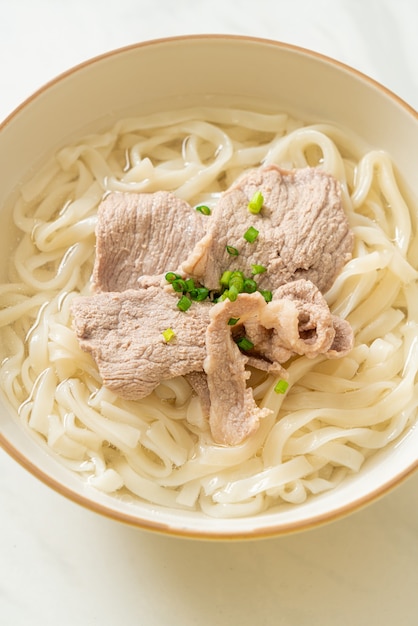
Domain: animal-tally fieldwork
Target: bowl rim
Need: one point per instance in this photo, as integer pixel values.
(216, 36)
(162, 527)
(266, 532)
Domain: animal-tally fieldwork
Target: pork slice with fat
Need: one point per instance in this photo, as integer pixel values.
(298, 321)
(314, 329)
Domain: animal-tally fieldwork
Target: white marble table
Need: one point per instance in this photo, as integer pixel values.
(61, 565)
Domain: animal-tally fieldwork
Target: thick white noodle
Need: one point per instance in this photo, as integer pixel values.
(160, 449)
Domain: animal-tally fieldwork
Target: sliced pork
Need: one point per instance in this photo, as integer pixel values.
(311, 329)
(123, 331)
(306, 327)
(234, 414)
(141, 236)
(303, 230)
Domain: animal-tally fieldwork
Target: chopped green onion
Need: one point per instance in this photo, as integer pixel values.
(236, 281)
(224, 280)
(189, 284)
(168, 334)
(232, 321)
(232, 251)
(232, 293)
(281, 386)
(244, 343)
(184, 303)
(237, 274)
(203, 209)
(267, 295)
(171, 277)
(256, 203)
(250, 286)
(251, 234)
(179, 285)
(199, 294)
(258, 269)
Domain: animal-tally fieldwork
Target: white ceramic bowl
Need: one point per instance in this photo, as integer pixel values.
(226, 70)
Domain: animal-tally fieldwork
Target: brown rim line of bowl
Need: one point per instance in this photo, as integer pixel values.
(218, 530)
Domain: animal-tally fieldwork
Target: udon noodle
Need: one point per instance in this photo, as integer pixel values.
(159, 449)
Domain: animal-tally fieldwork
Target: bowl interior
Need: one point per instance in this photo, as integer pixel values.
(173, 73)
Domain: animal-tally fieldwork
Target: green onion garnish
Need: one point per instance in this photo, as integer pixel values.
(232, 293)
(199, 294)
(267, 295)
(258, 269)
(168, 334)
(232, 321)
(179, 285)
(184, 303)
(171, 277)
(224, 280)
(244, 343)
(251, 234)
(250, 286)
(189, 285)
(203, 209)
(281, 386)
(186, 287)
(236, 281)
(232, 251)
(256, 203)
